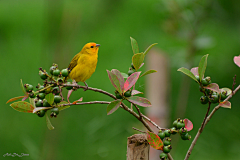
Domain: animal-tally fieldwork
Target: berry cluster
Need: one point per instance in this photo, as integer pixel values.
(126, 94)
(209, 95)
(52, 84)
(178, 127)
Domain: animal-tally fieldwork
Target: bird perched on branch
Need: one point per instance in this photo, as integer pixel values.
(84, 63)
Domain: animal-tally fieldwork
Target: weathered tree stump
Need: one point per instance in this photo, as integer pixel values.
(137, 147)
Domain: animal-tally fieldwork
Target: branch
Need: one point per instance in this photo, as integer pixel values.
(206, 121)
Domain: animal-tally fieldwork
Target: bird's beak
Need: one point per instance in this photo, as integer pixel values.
(97, 45)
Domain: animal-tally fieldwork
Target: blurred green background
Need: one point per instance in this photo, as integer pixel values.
(38, 33)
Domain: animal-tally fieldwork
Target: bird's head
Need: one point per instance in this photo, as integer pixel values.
(91, 48)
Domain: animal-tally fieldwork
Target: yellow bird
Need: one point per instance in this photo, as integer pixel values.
(84, 63)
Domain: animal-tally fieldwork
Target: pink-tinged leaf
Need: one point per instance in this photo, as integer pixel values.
(195, 71)
(228, 90)
(236, 60)
(213, 86)
(188, 124)
(69, 94)
(188, 73)
(114, 80)
(120, 78)
(79, 100)
(24, 98)
(22, 106)
(137, 60)
(154, 141)
(225, 104)
(134, 92)
(62, 107)
(49, 124)
(14, 99)
(148, 72)
(132, 79)
(40, 108)
(113, 106)
(144, 102)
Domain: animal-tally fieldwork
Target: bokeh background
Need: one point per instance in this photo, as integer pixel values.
(37, 33)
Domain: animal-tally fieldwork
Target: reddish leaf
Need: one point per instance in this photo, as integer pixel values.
(188, 124)
(188, 73)
(24, 98)
(229, 91)
(40, 108)
(140, 101)
(69, 94)
(114, 80)
(132, 79)
(80, 100)
(236, 60)
(195, 71)
(113, 106)
(120, 78)
(213, 86)
(134, 92)
(14, 99)
(155, 141)
(225, 104)
(22, 106)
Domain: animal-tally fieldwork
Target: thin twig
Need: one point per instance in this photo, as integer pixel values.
(138, 130)
(148, 119)
(206, 121)
(82, 103)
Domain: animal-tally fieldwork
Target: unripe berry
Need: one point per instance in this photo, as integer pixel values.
(45, 103)
(163, 156)
(39, 103)
(64, 72)
(69, 87)
(56, 72)
(167, 141)
(32, 95)
(118, 96)
(185, 136)
(56, 90)
(214, 98)
(54, 112)
(161, 134)
(182, 131)
(180, 124)
(206, 81)
(28, 87)
(57, 98)
(204, 99)
(167, 133)
(41, 113)
(41, 95)
(223, 95)
(167, 149)
(128, 93)
(132, 66)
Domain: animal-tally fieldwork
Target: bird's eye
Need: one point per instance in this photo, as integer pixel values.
(91, 46)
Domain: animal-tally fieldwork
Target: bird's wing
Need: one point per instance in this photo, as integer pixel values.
(74, 61)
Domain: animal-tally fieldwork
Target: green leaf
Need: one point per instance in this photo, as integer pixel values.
(202, 67)
(188, 73)
(113, 106)
(114, 80)
(148, 72)
(134, 92)
(50, 98)
(22, 106)
(134, 45)
(63, 107)
(137, 60)
(132, 79)
(49, 124)
(14, 99)
(147, 50)
(125, 75)
(225, 104)
(22, 87)
(144, 102)
(154, 140)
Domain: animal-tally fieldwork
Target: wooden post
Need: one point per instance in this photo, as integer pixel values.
(138, 147)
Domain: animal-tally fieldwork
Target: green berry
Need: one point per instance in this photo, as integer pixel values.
(161, 134)
(56, 72)
(206, 81)
(131, 71)
(118, 96)
(224, 95)
(39, 103)
(41, 113)
(64, 72)
(167, 133)
(214, 98)
(180, 124)
(57, 98)
(175, 123)
(69, 87)
(132, 66)
(128, 93)
(45, 103)
(185, 136)
(167, 141)
(40, 88)
(41, 95)
(52, 68)
(167, 149)
(204, 99)
(54, 112)
(32, 95)
(163, 156)
(173, 130)
(43, 75)
(182, 131)
(56, 91)
(197, 77)
(28, 87)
